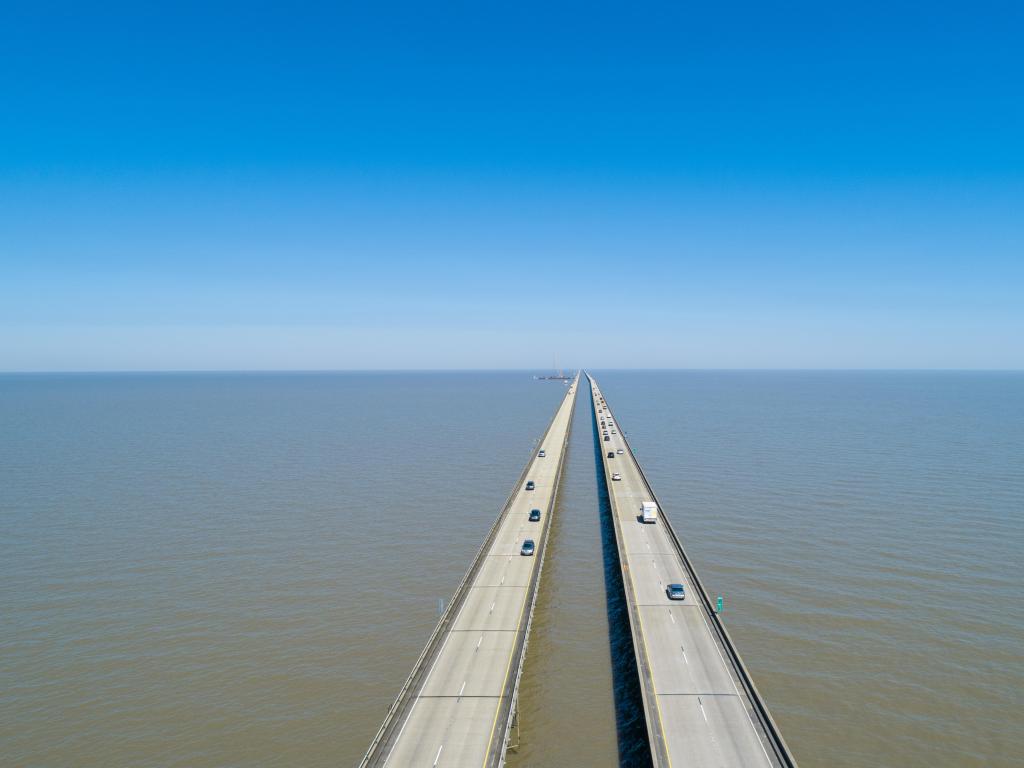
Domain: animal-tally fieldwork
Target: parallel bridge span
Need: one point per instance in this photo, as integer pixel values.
(701, 705)
(456, 707)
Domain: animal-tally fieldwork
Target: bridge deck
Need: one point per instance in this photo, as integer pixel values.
(701, 706)
(456, 706)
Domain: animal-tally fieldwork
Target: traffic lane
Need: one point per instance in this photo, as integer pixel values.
(543, 471)
(519, 513)
(683, 656)
(517, 526)
(505, 571)
(645, 538)
(447, 730)
(709, 730)
(513, 532)
(491, 608)
(652, 561)
(509, 539)
(651, 575)
(471, 664)
(628, 484)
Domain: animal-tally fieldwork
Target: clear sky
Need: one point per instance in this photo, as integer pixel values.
(485, 185)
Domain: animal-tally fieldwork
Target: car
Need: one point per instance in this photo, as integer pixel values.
(541, 454)
(611, 454)
(619, 451)
(534, 515)
(528, 548)
(675, 592)
(529, 485)
(614, 432)
(616, 476)
(606, 438)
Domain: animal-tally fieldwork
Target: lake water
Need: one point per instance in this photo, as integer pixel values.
(240, 569)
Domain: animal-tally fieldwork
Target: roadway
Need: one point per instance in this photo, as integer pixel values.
(456, 707)
(701, 705)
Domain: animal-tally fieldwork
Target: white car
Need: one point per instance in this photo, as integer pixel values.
(619, 451)
(616, 476)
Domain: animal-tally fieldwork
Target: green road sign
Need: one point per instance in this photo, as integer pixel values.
(719, 604)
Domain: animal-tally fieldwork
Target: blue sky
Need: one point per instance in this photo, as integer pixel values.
(392, 185)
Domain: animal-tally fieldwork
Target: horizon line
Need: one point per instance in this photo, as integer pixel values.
(151, 371)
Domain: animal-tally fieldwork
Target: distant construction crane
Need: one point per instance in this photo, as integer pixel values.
(559, 377)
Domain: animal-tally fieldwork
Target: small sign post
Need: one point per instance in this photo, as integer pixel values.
(719, 604)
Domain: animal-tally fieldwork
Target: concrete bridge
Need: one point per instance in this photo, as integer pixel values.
(701, 705)
(458, 705)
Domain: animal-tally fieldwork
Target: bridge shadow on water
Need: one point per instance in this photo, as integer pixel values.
(630, 722)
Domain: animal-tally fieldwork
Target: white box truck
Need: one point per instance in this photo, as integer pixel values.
(649, 512)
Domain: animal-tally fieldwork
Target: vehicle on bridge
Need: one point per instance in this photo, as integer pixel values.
(675, 592)
(534, 515)
(649, 512)
(528, 548)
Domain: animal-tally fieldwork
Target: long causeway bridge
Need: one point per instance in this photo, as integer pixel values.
(458, 705)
